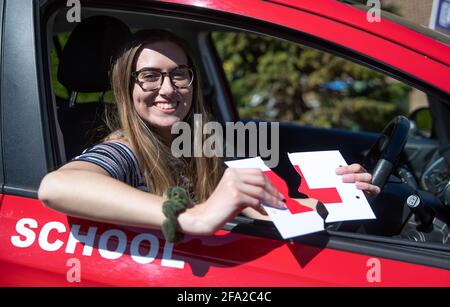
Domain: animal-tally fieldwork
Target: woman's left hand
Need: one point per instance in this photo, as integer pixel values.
(362, 179)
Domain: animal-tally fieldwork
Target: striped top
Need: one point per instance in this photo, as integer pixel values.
(122, 164)
(118, 160)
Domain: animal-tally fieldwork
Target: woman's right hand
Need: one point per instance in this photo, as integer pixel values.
(237, 190)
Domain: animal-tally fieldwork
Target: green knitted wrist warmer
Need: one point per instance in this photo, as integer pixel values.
(176, 203)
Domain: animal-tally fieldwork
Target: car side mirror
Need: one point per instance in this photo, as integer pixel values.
(422, 121)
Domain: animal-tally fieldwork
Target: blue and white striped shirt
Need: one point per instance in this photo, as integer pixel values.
(122, 164)
(118, 160)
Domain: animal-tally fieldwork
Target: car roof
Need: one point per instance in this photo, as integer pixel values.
(390, 28)
(441, 37)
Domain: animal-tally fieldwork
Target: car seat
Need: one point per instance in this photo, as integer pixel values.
(84, 67)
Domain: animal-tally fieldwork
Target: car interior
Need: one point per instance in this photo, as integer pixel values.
(418, 165)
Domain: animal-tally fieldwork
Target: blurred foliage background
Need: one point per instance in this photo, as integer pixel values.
(278, 80)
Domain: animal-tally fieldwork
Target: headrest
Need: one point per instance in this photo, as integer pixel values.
(89, 52)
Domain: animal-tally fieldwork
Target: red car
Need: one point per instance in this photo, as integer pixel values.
(41, 130)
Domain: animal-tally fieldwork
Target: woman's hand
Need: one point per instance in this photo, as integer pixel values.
(362, 179)
(237, 190)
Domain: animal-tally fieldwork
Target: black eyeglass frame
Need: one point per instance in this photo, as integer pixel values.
(135, 75)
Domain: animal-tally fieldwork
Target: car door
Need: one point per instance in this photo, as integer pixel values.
(43, 247)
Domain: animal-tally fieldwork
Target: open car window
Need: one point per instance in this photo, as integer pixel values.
(322, 100)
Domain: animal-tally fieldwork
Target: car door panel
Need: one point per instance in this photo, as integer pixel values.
(37, 244)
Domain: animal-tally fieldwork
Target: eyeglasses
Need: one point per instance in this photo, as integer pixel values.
(150, 79)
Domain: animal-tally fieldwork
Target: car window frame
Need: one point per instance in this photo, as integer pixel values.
(224, 93)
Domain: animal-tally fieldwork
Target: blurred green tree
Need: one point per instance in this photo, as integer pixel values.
(273, 79)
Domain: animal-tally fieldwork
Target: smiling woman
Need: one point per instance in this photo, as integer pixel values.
(158, 100)
(158, 108)
(155, 84)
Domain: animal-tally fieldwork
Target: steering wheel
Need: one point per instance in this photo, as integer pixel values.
(385, 152)
(381, 160)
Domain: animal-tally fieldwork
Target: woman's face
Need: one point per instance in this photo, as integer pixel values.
(167, 105)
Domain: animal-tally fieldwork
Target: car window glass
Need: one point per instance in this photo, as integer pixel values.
(272, 79)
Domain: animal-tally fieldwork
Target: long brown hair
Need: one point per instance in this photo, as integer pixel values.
(154, 156)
